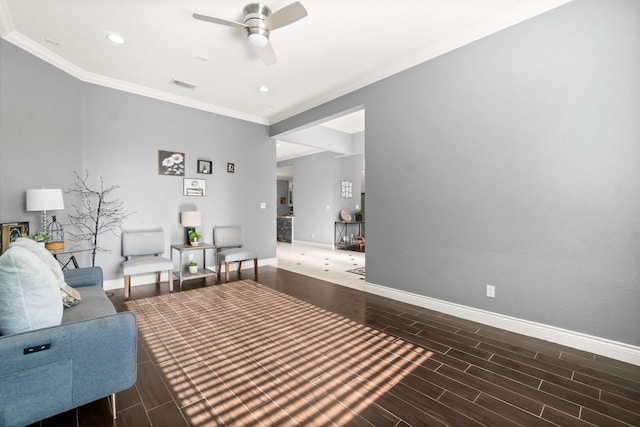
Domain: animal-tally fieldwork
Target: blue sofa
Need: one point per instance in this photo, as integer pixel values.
(90, 355)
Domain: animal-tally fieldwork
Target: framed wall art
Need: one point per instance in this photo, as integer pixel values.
(10, 231)
(170, 163)
(195, 187)
(204, 166)
(231, 167)
(346, 189)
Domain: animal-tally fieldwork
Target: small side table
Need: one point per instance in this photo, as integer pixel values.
(183, 275)
(71, 249)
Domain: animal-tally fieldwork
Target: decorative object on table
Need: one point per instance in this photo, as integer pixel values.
(345, 215)
(44, 199)
(204, 166)
(42, 238)
(97, 212)
(194, 187)
(10, 231)
(170, 163)
(346, 189)
(55, 235)
(194, 238)
(231, 167)
(358, 215)
(193, 267)
(190, 220)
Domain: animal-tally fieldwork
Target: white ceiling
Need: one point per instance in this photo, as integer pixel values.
(340, 46)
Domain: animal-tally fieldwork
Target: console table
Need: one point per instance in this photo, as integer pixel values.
(341, 235)
(205, 271)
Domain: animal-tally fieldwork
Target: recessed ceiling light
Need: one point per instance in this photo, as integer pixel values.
(263, 88)
(115, 38)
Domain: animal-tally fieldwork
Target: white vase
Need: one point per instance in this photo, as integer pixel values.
(193, 269)
(194, 242)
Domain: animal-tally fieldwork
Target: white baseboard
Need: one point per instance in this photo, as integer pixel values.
(146, 279)
(315, 244)
(602, 346)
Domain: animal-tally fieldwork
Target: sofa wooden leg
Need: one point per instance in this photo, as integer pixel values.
(158, 277)
(239, 266)
(127, 286)
(255, 267)
(226, 270)
(170, 280)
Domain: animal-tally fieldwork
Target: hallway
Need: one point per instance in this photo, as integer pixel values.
(322, 263)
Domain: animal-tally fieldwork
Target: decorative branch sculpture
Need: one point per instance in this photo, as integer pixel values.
(97, 212)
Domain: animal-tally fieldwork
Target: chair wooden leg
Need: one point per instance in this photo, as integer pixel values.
(255, 267)
(226, 270)
(127, 286)
(171, 281)
(157, 277)
(239, 266)
(219, 268)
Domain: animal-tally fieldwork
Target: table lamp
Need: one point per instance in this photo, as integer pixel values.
(190, 220)
(44, 199)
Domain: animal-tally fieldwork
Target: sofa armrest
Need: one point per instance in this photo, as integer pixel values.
(87, 276)
(51, 370)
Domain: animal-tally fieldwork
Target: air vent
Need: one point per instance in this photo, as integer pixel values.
(182, 84)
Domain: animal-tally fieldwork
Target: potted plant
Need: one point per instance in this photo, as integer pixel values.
(193, 267)
(194, 238)
(358, 215)
(41, 238)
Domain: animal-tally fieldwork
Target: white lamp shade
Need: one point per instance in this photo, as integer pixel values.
(44, 199)
(191, 218)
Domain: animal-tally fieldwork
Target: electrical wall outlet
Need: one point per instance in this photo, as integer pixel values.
(491, 291)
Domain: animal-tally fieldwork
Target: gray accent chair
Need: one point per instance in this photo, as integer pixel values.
(229, 242)
(91, 355)
(142, 250)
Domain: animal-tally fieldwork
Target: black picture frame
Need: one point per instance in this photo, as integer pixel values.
(10, 231)
(231, 167)
(204, 166)
(171, 163)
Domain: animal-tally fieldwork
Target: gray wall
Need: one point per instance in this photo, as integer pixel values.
(513, 161)
(316, 186)
(53, 124)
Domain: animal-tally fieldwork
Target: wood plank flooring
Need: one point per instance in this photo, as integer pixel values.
(477, 375)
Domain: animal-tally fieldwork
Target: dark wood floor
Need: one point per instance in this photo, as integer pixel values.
(478, 375)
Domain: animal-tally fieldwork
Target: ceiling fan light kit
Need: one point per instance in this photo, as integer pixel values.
(258, 22)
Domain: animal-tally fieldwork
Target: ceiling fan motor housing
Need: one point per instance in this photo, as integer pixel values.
(254, 18)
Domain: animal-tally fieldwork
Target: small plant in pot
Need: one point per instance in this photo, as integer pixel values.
(194, 238)
(193, 267)
(41, 237)
(358, 215)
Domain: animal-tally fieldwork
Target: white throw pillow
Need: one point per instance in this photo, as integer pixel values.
(29, 293)
(69, 295)
(41, 252)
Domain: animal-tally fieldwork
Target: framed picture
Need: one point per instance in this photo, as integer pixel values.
(170, 163)
(346, 189)
(231, 167)
(204, 166)
(195, 187)
(10, 231)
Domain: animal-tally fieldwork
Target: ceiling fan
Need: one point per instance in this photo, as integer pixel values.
(258, 22)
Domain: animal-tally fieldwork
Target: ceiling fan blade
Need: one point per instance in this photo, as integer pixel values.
(268, 55)
(219, 21)
(285, 16)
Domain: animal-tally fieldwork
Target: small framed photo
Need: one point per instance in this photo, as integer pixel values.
(231, 167)
(194, 187)
(204, 166)
(10, 231)
(170, 163)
